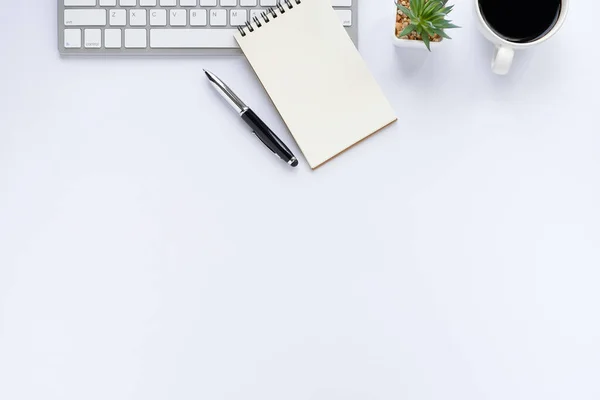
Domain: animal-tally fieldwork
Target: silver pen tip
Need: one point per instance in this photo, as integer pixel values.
(226, 92)
(211, 77)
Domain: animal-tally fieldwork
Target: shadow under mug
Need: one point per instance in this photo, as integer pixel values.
(505, 50)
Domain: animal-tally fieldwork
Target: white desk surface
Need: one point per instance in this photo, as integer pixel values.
(151, 248)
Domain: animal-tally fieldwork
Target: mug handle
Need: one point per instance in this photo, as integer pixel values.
(502, 60)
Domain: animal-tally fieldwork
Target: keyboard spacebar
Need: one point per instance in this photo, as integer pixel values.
(192, 38)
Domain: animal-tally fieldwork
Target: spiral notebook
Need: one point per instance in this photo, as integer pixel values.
(315, 77)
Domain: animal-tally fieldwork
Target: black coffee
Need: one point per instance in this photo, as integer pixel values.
(520, 21)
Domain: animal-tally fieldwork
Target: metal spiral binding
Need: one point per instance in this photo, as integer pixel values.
(265, 16)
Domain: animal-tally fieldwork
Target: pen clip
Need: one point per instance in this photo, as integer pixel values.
(265, 143)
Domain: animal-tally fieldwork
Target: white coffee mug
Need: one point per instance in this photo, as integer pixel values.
(505, 50)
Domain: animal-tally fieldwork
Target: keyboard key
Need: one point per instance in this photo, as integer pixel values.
(345, 16)
(188, 3)
(168, 3)
(256, 13)
(93, 17)
(108, 3)
(93, 38)
(137, 17)
(341, 3)
(112, 38)
(148, 3)
(208, 3)
(135, 38)
(228, 3)
(238, 17)
(268, 3)
(248, 3)
(80, 3)
(127, 3)
(72, 38)
(118, 17)
(218, 17)
(192, 38)
(198, 18)
(158, 17)
(178, 17)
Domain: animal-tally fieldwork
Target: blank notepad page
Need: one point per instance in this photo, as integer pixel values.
(316, 79)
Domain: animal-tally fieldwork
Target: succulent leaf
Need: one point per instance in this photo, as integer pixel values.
(407, 30)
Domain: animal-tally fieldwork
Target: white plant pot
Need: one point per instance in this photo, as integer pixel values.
(414, 44)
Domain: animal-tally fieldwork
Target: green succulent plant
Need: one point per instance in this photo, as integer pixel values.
(427, 18)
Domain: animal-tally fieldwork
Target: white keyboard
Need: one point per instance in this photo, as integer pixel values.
(165, 27)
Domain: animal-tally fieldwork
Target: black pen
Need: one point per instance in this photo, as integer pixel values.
(260, 129)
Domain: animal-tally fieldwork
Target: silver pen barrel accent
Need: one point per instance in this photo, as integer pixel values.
(227, 93)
